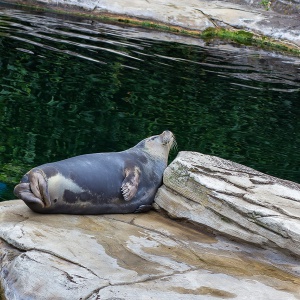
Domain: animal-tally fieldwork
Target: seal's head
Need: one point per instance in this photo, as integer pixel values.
(160, 145)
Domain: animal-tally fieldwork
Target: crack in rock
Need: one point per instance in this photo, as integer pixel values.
(158, 277)
(208, 17)
(23, 248)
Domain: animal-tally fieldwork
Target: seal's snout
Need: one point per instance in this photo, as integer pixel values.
(168, 138)
(166, 135)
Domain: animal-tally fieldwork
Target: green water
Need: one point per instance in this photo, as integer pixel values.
(71, 86)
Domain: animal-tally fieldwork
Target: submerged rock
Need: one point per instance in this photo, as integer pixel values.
(232, 199)
(142, 256)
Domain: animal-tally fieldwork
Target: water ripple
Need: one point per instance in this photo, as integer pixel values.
(90, 40)
(55, 49)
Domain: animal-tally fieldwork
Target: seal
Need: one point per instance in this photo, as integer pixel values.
(99, 183)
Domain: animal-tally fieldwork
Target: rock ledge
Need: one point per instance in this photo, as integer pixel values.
(132, 257)
(232, 199)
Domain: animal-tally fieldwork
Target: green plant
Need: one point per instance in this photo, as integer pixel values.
(266, 4)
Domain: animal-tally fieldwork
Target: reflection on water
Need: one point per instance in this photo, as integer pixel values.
(70, 86)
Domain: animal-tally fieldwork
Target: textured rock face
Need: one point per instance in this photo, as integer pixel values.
(145, 256)
(232, 199)
(282, 6)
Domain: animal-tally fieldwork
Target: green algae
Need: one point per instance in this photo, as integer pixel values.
(250, 39)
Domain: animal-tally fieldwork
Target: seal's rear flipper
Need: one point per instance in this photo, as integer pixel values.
(23, 192)
(34, 189)
(130, 183)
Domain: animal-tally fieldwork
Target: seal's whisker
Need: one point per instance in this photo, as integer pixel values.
(174, 145)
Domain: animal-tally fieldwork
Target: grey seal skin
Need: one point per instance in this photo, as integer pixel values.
(99, 183)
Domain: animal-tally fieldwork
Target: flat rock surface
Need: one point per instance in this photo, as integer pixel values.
(202, 14)
(232, 199)
(141, 256)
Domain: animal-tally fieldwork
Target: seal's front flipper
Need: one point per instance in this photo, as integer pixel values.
(130, 183)
(143, 208)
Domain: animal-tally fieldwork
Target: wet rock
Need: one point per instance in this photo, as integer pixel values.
(126, 256)
(232, 199)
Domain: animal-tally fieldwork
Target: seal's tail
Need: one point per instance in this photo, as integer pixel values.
(33, 188)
